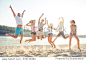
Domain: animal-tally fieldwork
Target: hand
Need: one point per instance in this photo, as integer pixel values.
(54, 29)
(24, 10)
(42, 13)
(59, 17)
(10, 6)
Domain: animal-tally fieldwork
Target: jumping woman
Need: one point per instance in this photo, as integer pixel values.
(73, 33)
(60, 26)
(33, 32)
(50, 34)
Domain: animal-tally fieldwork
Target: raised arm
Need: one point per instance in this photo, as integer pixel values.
(34, 21)
(45, 22)
(23, 13)
(27, 24)
(12, 11)
(40, 17)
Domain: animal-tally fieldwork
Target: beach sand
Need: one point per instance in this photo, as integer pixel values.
(42, 51)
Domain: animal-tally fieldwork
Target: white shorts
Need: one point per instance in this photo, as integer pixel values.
(39, 33)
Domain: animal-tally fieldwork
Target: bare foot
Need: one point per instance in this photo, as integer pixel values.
(43, 37)
(79, 49)
(8, 34)
(29, 41)
(54, 46)
(26, 41)
(20, 41)
(69, 49)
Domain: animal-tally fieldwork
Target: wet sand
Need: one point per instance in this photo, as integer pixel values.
(42, 51)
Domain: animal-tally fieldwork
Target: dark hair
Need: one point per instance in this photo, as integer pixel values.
(42, 19)
(18, 14)
(73, 21)
(31, 21)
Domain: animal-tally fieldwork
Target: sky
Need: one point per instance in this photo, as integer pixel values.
(52, 9)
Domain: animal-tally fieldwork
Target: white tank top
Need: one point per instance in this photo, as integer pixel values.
(61, 27)
(49, 30)
(19, 20)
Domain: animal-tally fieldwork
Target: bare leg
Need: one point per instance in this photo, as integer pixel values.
(70, 43)
(49, 41)
(77, 42)
(43, 36)
(55, 39)
(14, 36)
(33, 38)
(52, 42)
(38, 37)
(21, 38)
(66, 37)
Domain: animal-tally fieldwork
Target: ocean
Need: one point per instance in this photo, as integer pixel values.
(9, 41)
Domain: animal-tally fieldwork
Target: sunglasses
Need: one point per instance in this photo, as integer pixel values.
(71, 22)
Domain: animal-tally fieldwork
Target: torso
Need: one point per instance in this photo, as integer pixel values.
(74, 28)
(49, 30)
(61, 27)
(19, 21)
(33, 28)
(40, 26)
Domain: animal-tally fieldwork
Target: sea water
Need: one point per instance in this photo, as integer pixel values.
(9, 41)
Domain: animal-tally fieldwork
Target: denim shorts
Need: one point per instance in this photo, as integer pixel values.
(33, 33)
(74, 34)
(19, 31)
(50, 34)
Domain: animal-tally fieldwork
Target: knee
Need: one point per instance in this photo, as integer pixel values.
(38, 37)
(34, 40)
(16, 36)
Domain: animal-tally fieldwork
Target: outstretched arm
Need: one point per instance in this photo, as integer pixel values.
(23, 13)
(40, 17)
(45, 22)
(12, 11)
(27, 24)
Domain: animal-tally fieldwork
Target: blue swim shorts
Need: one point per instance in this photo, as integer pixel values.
(19, 31)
